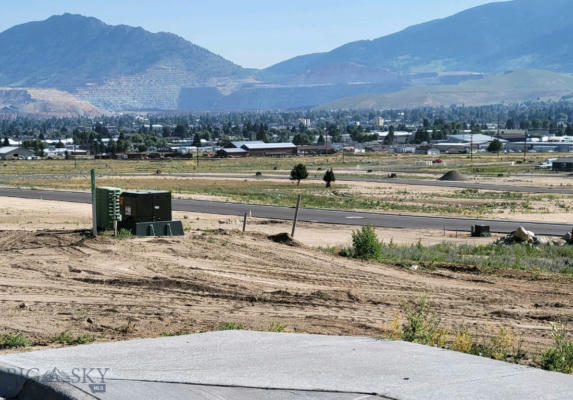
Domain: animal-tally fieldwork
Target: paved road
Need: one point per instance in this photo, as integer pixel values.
(339, 217)
(243, 365)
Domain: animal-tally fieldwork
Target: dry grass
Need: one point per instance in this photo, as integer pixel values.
(366, 161)
(350, 195)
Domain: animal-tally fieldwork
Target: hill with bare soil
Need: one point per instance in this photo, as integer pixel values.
(62, 281)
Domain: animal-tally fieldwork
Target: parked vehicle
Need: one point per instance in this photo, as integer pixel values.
(547, 164)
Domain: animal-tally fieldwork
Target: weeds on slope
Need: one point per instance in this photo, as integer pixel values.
(422, 325)
(484, 257)
(14, 340)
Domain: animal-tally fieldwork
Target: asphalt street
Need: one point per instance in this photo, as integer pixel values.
(339, 217)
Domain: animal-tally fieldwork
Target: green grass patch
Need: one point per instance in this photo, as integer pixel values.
(175, 333)
(276, 327)
(124, 234)
(232, 326)
(68, 339)
(485, 257)
(14, 340)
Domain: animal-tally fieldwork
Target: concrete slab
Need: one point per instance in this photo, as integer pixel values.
(259, 365)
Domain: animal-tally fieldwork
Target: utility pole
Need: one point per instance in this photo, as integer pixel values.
(197, 157)
(525, 146)
(472, 147)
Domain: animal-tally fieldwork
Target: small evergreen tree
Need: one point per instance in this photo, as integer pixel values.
(495, 146)
(180, 131)
(298, 173)
(390, 137)
(321, 141)
(6, 142)
(329, 177)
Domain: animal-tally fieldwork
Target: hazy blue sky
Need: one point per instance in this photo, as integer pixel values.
(252, 33)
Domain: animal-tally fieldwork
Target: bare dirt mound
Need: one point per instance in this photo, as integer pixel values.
(24, 240)
(285, 238)
(453, 176)
(111, 289)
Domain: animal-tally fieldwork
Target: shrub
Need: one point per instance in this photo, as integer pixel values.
(395, 331)
(13, 341)
(276, 327)
(559, 358)
(502, 346)
(365, 244)
(422, 324)
(463, 341)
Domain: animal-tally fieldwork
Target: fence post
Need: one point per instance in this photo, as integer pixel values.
(245, 222)
(296, 215)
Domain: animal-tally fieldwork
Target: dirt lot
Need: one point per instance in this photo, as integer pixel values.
(55, 281)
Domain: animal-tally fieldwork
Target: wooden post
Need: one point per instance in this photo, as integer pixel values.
(295, 215)
(94, 210)
(245, 222)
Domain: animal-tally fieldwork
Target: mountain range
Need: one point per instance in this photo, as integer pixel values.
(122, 68)
(508, 88)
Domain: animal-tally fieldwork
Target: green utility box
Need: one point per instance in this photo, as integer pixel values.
(481, 231)
(107, 207)
(148, 213)
(161, 228)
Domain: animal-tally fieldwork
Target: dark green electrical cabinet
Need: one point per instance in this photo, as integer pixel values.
(107, 207)
(149, 213)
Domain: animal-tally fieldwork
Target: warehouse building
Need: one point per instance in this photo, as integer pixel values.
(232, 152)
(258, 149)
(271, 149)
(563, 164)
(15, 153)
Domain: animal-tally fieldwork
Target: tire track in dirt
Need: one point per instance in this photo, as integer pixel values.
(143, 287)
